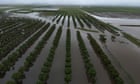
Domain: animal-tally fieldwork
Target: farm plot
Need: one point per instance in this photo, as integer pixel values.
(63, 51)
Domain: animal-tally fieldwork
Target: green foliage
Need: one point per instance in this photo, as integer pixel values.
(102, 38)
(132, 39)
(19, 75)
(107, 63)
(7, 63)
(11, 82)
(68, 78)
(68, 70)
(90, 71)
(45, 70)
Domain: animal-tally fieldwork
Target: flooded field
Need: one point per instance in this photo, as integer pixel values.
(126, 53)
(47, 60)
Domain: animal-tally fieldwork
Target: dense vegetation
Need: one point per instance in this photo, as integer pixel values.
(13, 35)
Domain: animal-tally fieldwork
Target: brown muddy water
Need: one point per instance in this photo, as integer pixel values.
(126, 53)
(20, 61)
(57, 72)
(78, 70)
(102, 76)
(33, 73)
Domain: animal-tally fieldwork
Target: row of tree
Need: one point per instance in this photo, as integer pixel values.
(68, 70)
(20, 74)
(114, 74)
(90, 71)
(45, 70)
(6, 64)
(14, 36)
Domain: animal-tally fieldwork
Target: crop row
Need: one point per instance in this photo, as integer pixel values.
(6, 64)
(13, 38)
(74, 22)
(102, 26)
(45, 70)
(57, 21)
(19, 75)
(68, 21)
(55, 17)
(80, 22)
(114, 75)
(64, 16)
(68, 70)
(132, 39)
(90, 71)
(85, 21)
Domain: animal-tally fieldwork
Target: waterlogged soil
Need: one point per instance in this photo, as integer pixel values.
(20, 62)
(134, 31)
(66, 22)
(22, 43)
(102, 76)
(123, 54)
(117, 22)
(33, 73)
(77, 23)
(57, 72)
(123, 72)
(78, 70)
(127, 54)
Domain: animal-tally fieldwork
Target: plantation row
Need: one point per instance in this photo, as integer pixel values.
(132, 39)
(21, 34)
(114, 74)
(83, 19)
(6, 64)
(29, 61)
(72, 13)
(101, 25)
(9, 22)
(68, 70)
(45, 70)
(15, 36)
(90, 71)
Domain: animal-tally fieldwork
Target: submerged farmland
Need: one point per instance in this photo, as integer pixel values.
(64, 46)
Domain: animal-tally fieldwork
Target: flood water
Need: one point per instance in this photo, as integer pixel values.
(57, 73)
(33, 73)
(20, 61)
(125, 52)
(101, 73)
